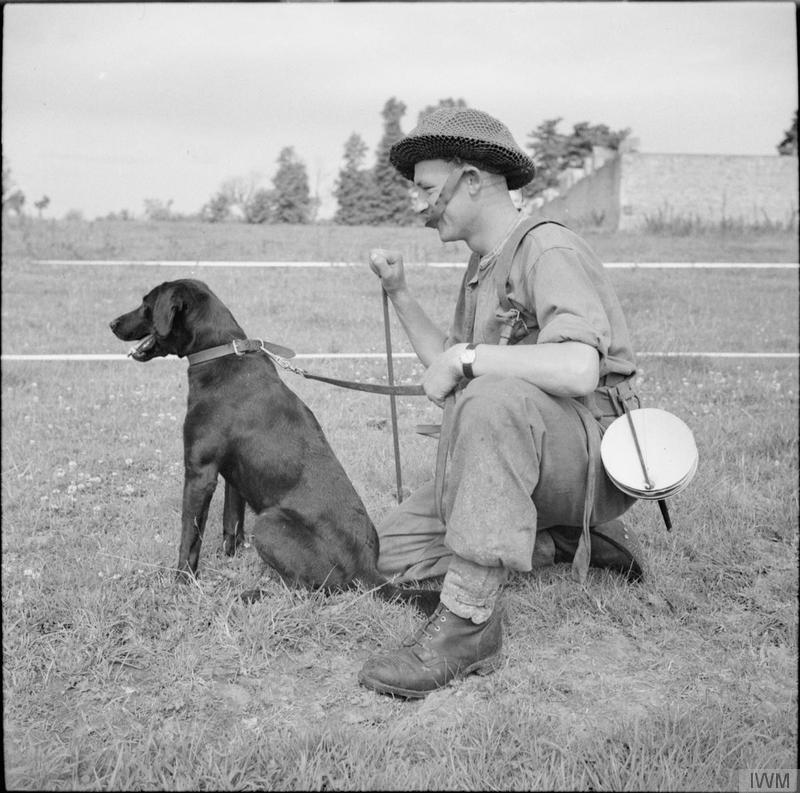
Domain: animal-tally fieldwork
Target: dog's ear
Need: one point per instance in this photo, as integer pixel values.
(169, 302)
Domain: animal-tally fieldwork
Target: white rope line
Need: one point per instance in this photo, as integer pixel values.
(702, 265)
(457, 265)
(382, 356)
(187, 263)
(673, 265)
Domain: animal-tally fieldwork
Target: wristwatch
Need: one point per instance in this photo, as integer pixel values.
(467, 358)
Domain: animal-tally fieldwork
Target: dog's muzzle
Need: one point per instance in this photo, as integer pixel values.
(139, 351)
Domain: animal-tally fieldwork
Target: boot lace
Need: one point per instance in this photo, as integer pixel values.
(425, 631)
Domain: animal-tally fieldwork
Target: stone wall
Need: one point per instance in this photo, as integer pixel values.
(707, 188)
(634, 189)
(591, 201)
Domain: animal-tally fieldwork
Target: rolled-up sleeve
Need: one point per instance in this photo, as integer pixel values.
(566, 301)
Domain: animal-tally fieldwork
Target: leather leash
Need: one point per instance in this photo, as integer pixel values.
(281, 355)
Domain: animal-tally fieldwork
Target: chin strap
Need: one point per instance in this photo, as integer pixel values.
(435, 213)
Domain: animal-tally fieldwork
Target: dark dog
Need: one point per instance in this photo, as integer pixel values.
(242, 422)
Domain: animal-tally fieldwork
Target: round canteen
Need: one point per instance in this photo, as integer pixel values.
(658, 494)
(667, 449)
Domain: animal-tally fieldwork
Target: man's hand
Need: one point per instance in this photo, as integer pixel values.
(444, 374)
(388, 266)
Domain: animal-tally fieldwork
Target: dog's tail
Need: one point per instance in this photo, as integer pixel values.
(426, 600)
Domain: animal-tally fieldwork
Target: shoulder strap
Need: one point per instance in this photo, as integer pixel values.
(502, 268)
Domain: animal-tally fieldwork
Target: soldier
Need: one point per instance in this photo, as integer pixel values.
(534, 367)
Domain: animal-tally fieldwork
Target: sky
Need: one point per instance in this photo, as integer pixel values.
(107, 105)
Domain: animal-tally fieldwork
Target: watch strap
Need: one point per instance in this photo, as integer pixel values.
(466, 367)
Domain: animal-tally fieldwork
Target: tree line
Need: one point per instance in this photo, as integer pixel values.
(371, 194)
(377, 194)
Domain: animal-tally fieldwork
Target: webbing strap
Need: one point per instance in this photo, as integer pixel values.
(583, 553)
(442, 453)
(502, 268)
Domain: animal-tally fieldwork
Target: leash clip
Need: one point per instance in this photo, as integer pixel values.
(236, 349)
(280, 360)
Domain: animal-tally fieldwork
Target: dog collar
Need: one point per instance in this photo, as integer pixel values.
(239, 347)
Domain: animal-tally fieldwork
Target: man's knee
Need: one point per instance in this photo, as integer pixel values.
(411, 537)
(493, 400)
(498, 389)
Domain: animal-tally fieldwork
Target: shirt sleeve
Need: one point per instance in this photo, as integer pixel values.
(566, 301)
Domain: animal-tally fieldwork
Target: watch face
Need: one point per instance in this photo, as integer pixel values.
(468, 356)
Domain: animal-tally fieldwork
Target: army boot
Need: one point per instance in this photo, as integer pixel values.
(446, 647)
(614, 547)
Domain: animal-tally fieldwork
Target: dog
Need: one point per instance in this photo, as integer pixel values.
(244, 423)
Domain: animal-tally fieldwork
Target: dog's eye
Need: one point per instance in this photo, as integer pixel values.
(147, 311)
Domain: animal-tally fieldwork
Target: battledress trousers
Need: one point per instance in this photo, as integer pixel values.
(517, 468)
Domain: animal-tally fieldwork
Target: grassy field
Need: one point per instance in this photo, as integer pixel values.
(114, 678)
(44, 239)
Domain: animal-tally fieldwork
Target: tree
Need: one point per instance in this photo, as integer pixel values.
(123, 214)
(8, 182)
(156, 209)
(13, 197)
(392, 191)
(217, 210)
(442, 103)
(554, 152)
(232, 199)
(549, 149)
(259, 209)
(291, 199)
(788, 146)
(355, 187)
(42, 204)
(586, 136)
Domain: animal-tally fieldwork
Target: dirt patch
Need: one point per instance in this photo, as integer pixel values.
(597, 686)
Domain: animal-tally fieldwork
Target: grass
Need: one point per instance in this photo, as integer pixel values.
(46, 239)
(115, 678)
(666, 310)
(665, 221)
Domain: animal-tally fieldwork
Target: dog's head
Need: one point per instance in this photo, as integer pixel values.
(169, 321)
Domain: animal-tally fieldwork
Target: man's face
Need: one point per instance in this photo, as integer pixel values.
(429, 179)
